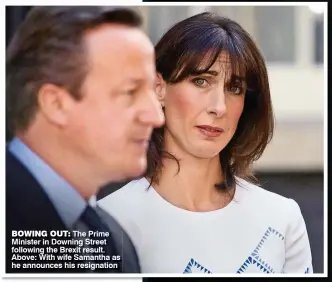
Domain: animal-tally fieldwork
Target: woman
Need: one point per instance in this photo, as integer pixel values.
(199, 208)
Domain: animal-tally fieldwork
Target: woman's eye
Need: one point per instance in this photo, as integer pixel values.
(200, 81)
(236, 89)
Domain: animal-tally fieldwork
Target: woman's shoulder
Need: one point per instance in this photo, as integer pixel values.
(260, 197)
(281, 213)
(125, 206)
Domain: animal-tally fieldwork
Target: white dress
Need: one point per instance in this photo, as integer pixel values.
(258, 232)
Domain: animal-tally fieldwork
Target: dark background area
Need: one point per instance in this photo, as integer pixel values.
(305, 188)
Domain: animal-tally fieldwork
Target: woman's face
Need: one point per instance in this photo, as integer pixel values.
(202, 112)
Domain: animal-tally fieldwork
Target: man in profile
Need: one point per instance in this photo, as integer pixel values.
(80, 102)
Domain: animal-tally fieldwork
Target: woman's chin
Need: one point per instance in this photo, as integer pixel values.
(202, 152)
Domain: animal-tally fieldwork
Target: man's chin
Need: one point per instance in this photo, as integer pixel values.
(139, 170)
(134, 170)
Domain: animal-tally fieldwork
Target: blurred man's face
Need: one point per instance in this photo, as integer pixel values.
(110, 127)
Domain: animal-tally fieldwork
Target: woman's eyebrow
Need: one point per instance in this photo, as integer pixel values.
(211, 72)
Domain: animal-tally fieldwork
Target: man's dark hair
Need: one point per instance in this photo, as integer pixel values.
(48, 48)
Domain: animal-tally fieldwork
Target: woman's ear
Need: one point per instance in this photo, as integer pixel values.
(160, 89)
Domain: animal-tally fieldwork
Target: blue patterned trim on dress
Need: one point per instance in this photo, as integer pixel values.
(256, 259)
(194, 264)
(307, 270)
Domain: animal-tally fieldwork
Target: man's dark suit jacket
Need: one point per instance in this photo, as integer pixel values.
(29, 208)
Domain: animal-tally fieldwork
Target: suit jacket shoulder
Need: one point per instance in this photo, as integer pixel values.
(29, 208)
(27, 205)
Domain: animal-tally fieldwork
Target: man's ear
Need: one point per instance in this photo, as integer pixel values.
(160, 89)
(54, 103)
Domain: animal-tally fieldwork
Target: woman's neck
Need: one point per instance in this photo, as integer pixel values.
(193, 188)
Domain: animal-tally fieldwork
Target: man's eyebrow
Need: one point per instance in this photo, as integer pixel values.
(135, 81)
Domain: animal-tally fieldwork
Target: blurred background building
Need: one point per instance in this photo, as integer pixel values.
(292, 41)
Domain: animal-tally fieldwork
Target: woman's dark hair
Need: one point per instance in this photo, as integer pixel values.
(180, 53)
